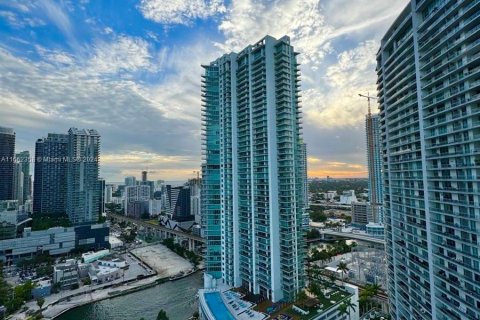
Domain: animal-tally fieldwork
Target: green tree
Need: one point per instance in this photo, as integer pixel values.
(40, 302)
(162, 315)
(301, 295)
(342, 266)
(351, 306)
(343, 310)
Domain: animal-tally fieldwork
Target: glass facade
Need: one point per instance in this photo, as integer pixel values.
(429, 90)
(50, 182)
(83, 199)
(253, 192)
(7, 165)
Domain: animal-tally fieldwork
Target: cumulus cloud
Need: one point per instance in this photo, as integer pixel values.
(335, 102)
(124, 54)
(180, 11)
(40, 97)
(248, 21)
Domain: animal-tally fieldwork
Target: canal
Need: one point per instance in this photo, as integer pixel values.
(176, 298)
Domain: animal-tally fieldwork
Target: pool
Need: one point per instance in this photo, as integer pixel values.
(217, 307)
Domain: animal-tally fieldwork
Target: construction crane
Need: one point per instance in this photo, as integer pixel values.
(368, 98)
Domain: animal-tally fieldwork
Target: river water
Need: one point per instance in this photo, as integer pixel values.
(177, 298)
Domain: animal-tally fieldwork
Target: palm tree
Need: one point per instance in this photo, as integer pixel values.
(350, 306)
(343, 310)
(342, 266)
(162, 315)
(370, 291)
(374, 288)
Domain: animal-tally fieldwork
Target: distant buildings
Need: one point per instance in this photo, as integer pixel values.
(364, 213)
(137, 200)
(108, 193)
(22, 179)
(83, 200)
(146, 182)
(330, 195)
(177, 206)
(428, 84)
(360, 214)
(195, 205)
(348, 197)
(253, 175)
(130, 181)
(7, 165)
(66, 176)
(50, 175)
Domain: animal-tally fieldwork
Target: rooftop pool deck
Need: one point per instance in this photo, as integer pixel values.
(217, 306)
(227, 305)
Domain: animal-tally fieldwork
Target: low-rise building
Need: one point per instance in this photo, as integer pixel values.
(42, 289)
(376, 230)
(90, 257)
(115, 242)
(113, 262)
(330, 195)
(54, 241)
(101, 273)
(66, 274)
(364, 213)
(348, 197)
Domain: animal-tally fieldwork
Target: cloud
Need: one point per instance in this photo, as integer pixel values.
(61, 19)
(124, 54)
(248, 21)
(41, 97)
(335, 102)
(180, 11)
(55, 56)
(18, 21)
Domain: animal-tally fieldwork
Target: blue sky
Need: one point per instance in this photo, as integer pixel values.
(131, 70)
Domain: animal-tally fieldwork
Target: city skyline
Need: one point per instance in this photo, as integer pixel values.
(151, 71)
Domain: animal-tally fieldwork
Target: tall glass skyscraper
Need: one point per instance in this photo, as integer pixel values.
(50, 175)
(253, 174)
(374, 162)
(429, 93)
(7, 164)
(83, 199)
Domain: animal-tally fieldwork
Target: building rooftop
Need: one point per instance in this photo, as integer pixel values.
(4, 130)
(228, 305)
(84, 132)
